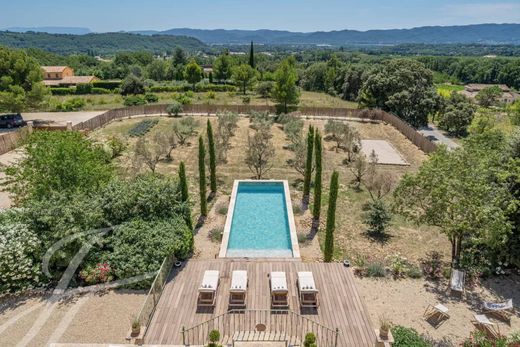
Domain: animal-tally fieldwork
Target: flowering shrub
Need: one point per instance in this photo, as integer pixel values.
(431, 265)
(101, 273)
(18, 268)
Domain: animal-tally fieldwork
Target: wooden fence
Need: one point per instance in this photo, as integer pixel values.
(413, 135)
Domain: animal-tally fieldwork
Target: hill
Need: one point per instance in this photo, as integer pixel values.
(464, 34)
(99, 44)
(52, 30)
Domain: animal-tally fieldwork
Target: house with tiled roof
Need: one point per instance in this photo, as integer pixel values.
(63, 76)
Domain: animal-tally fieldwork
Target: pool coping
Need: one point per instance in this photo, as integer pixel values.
(290, 216)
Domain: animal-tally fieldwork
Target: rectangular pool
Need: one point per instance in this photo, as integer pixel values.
(260, 222)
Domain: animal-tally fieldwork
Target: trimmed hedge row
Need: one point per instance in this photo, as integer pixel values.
(198, 88)
(84, 89)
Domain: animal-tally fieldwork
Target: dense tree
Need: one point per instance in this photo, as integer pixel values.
(179, 57)
(183, 188)
(132, 85)
(377, 217)
(489, 96)
(285, 90)
(314, 77)
(264, 89)
(212, 158)
(403, 87)
(308, 166)
(354, 76)
(243, 75)
(252, 56)
(331, 218)
(20, 81)
(58, 162)
(193, 73)
(202, 178)
(316, 211)
(156, 70)
(467, 205)
(457, 114)
(223, 66)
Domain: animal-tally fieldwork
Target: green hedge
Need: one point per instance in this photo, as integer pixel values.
(100, 91)
(200, 87)
(63, 91)
(110, 85)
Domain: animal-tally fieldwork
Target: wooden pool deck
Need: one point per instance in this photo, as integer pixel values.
(341, 306)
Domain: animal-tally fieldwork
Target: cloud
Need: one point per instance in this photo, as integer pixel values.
(484, 12)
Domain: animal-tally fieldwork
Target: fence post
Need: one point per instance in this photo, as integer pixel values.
(337, 334)
(183, 336)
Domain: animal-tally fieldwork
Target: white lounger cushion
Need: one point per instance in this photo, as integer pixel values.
(239, 281)
(501, 306)
(483, 319)
(209, 281)
(278, 282)
(457, 280)
(306, 282)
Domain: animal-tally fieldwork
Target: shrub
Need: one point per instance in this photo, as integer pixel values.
(63, 91)
(377, 218)
(132, 85)
(297, 209)
(74, 104)
(310, 340)
(134, 100)
(184, 99)
(398, 265)
(214, 337)
(408, 337)
(116, 146)
(302, 238)
(211, 95)
(100, 273)
(222, 209)
(246, 100)
(140, 246)
(215, 234)
(413, 271)
(19, 263)
(375, 269)
(431, 265)
(174, 109)
(151, 98)
(142, 127)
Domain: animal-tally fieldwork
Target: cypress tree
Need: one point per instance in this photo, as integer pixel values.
(183, 187)
(212, 159)
(317, 177)
(331, 218)
(202, 178)
(252, 56)
(308, 166)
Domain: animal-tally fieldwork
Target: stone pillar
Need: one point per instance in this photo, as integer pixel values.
(69, 125)
(30, 126)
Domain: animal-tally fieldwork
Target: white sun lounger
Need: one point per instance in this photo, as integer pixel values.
(483, 324)
(308, 292)
(439, 311)
(457, 281)
(279, 291)
(208, 288)
(238, 289)
(503, 310)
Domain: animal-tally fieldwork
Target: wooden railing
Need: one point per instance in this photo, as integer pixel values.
(279, 325)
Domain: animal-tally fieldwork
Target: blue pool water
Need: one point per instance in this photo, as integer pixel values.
(260, 225)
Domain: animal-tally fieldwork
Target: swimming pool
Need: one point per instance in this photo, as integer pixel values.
(260, 223)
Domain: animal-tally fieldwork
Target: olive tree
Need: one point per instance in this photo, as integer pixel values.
(259, 152)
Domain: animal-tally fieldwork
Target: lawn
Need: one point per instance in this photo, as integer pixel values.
(351, 240)
(109, 101)
(446, 89)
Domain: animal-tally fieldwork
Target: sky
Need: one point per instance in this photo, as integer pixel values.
(293, 15)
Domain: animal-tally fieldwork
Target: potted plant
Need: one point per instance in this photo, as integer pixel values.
(136, 327)
(214, 337)
(384, 327)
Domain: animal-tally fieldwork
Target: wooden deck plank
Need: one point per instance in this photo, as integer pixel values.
(341, 305)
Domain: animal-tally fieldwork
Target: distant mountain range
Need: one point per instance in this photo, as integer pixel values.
(464, 34)
(52, 30)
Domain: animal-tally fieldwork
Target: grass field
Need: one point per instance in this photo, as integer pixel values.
(351, 239)
(105, 102)
(446, 89)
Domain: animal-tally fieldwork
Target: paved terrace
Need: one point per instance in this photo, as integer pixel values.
(340, 304)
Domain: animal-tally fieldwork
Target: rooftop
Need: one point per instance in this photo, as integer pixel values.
(54, 68)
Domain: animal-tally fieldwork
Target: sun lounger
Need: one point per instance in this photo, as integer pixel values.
(438, 314)
(503, 310)
(307, 290)
(238, 290)
(457, 281)
(279, 291)
(483, 324)
(208, 288)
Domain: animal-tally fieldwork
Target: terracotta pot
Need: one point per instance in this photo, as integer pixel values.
(383, 334)
(136, 331)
